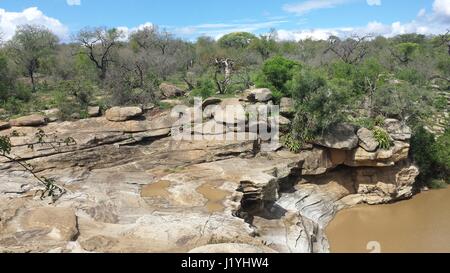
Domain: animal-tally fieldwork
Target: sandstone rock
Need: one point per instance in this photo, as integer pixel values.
(52, 114)
(230, 114)
(29, 121)
(259, 95)
(397, 129)
(383, 185)
(170, 90)
(381, 158)
(287, 107)
(93, 111)
(211, 101)
(341, 136)
(316, 161)
(232, 248)
(59, 223)
(284, 121)
(118, 114)
(4, 125)
(367, 140)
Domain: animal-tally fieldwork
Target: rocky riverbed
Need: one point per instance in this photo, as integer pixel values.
(131, 187)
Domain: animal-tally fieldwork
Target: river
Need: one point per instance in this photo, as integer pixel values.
(421, 224)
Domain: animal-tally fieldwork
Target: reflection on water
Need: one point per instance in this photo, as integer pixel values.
(418, 225)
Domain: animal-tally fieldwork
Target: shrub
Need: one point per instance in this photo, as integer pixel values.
(73, 97)
(292, 143)
(205, 88)
(432, 156)
(383, 138)
(276, 73)
(437, 184)
(411, 75)
(442, 149)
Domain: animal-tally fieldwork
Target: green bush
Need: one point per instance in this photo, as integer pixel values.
(292, 143)
(276, 74)
(205, 88)
(440, 103)
(73, 97)
(442, 148)
(237, 40)
(411, 75)
(432, 156)
(383, 138)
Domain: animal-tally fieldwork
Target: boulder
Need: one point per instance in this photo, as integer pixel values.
(367, 140)
(170, 91)
(59, 223)
(287, 107)
(93, 111)
(397, 129)
(341, 136)
(52, 114)
(259, 95)
(211, 101)
(29, 121)
(230, 112)
(4, 125)
(123, 113)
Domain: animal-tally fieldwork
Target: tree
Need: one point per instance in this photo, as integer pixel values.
(30, 46)
(98, 44)
(222, 73)
(6, 79)
(152, 37)
(319, 104)
(265, 45)
(351, 51)
(237, 40)
(404, 52)
(276, 73)
(403, 101)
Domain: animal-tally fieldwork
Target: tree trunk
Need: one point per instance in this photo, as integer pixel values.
(33, 82)
(103, 73)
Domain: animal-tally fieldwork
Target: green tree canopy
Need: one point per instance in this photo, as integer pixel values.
(276, 73)
(237, 40)
(30, 46)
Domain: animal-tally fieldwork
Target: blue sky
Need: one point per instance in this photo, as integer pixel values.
(295, 19)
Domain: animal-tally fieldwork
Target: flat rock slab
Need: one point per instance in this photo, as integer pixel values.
(60, 223)
(123, 113)
(29, 121)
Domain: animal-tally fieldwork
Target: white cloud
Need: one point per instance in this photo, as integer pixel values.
(10, 20)
(441, 9)
(425, 23)
(372, 28)
(126, 31)
(422, 13)
(310, 5)
(73, 2)
(374, 2)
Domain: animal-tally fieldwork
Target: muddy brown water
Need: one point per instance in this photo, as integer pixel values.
(421, 224)
(158, 189)
(215, 197)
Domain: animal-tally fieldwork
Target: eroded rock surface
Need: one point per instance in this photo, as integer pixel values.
(133, 188)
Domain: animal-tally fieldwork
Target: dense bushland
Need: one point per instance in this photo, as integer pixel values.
(361, 80)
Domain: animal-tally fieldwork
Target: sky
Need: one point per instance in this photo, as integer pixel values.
(189, 19)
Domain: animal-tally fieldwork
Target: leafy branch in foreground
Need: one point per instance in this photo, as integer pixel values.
(50, 187)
